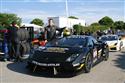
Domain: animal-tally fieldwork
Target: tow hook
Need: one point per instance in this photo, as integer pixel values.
(34, 68)
(55, 71)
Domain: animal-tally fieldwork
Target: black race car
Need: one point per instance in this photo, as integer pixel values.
(69, 53)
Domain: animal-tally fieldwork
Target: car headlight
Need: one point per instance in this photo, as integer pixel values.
(115, 43)
(40, 48)
(71, 58)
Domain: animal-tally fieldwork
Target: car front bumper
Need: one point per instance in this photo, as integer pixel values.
(113, 48)
(61, 66)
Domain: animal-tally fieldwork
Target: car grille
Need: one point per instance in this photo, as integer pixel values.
(50, 57)
(113, 48)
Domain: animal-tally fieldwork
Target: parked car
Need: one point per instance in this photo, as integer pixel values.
(113, 41)
(69, 53)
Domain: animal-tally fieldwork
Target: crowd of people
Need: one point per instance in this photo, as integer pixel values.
(12, 41)
(51, 32)
(8, 34)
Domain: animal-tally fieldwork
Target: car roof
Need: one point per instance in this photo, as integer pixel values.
(109, 35)
(79, 36)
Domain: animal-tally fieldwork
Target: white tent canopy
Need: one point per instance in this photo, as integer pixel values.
(36, 27)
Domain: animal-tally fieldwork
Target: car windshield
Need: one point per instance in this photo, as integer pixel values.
(109, 38)
(68, 42)
(120, 33)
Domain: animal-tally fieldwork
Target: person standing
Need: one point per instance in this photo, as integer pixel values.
(4, 43)
(50, 30)
(13, 41)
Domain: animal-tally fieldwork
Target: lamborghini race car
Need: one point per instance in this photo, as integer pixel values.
(69, 53)
(113, 41)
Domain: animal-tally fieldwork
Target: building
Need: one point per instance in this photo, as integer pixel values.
(67, 22)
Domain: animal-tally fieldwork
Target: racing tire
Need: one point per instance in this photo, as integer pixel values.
(106, 56)
(23, 49)
(88, 63)
(22, 34)
(26, 34)
(27, 47)
(19, 34)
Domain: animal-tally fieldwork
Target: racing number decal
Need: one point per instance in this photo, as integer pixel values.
(94, 52)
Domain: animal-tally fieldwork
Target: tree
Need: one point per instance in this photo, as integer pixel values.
(77, 28)
(7, 19)
(73, 17)
(95, 24)
(119, 25)
(124, 26)
(107, 21)
(37, 21)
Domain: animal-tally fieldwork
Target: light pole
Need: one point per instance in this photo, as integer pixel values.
(67, 12)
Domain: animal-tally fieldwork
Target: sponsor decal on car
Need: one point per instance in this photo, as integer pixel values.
(60, 50)
(44, 64)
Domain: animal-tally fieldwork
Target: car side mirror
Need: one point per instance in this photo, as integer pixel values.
(119, 38)
(90, 46)
(96, 44)
(99, 41)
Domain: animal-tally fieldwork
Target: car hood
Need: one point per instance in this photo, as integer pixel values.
(55, 54)
(110, 43)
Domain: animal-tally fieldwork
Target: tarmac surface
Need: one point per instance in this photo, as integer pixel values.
(111, 71)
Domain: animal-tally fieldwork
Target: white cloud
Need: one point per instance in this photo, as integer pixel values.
(5, 10)
(94, 9)
(93, 14)
(46, 1)
(26, 0)
(28, 15)
(31, 14)
(89, 14)
(110, 0)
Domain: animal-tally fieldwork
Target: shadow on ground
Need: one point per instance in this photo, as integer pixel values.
(120, 61)
(20, 67)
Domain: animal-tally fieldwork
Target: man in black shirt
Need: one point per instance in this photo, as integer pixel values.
(50, 30)
(13, 41)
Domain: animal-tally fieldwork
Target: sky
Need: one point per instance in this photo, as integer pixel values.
(88, 10)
